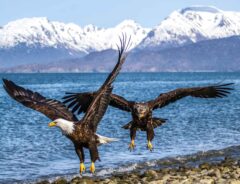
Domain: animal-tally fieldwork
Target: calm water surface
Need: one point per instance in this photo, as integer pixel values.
(29, 150)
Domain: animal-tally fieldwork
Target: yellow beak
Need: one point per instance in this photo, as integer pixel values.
(52, 124)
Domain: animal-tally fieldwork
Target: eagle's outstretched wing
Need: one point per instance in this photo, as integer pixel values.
(79, 102)
(53, 109)
(215, 91)
(100, 102)
(121, 103)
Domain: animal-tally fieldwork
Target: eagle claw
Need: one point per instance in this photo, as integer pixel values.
(82, 168)
(150, 146)
(131, 146)
(92, 168)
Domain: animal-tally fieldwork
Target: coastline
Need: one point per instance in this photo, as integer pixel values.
(211, 167)
(228, 171)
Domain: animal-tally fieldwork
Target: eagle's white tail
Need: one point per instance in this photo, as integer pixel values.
(105, 140)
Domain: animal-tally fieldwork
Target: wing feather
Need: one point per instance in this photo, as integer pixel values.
(121, 103)
(53, 109)
(214, 91)
(83, 100)
(100, 102)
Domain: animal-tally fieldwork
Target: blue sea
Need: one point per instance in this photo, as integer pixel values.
(31, 151)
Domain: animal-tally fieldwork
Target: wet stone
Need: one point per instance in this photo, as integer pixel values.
(43, 182)
(79, 180)
(60, 181)
(151, 174)
(75, 180)
(235, 182)
(187, 181)
(204, 166)
(156, 182)
(218, 173)
(144, 179)
(206, 181)
(86, 181)
(235, 175)
(221, 181)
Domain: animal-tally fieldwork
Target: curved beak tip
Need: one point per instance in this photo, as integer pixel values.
(51, 124)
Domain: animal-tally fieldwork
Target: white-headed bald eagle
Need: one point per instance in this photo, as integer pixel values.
(81, 132)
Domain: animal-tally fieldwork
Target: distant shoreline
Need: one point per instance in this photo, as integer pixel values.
(106, 72)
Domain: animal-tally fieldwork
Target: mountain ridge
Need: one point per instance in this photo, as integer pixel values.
(195, 23)
(216, 55)
(38, 41)
(191, 25)
(89, 38)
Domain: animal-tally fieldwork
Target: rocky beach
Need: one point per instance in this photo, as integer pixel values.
(211, 167)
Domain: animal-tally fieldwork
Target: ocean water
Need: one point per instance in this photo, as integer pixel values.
(30, 150)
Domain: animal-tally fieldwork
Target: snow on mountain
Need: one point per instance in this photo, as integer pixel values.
(181, 27)
(41, 31)
(190, 25)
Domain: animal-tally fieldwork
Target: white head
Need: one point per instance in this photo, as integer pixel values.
(66, 126)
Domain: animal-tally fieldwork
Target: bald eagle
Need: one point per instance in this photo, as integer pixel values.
(142, 111)
(81, 132)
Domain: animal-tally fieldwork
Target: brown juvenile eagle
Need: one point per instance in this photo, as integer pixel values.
(81, 132)
(142, 111)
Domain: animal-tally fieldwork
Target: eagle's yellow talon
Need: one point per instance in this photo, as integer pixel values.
(92, 168)
(82, 168)
(131, 145)
(150, 146)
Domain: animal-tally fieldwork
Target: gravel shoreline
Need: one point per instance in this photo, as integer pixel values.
(225, 172)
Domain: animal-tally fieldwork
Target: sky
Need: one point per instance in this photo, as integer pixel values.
(102, 13)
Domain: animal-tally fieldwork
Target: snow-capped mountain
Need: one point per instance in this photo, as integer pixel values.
(185, 26)
(38, 41)
(191, 25)
(41, 31)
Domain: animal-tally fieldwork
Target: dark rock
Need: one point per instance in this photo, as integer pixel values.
(151, 174)
(206, 181)
(229, 162)
(205, 166)
(60, 181)
(182, 168)
(122, 176)
(75, 180)
(43, 182)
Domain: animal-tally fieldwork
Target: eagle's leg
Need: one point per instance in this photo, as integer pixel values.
(133, 131)
(150, 136)
(94, 156)
(80, 153)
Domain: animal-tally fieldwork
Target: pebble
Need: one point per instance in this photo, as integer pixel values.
(151, 174)
(43, 182)
(206, 181)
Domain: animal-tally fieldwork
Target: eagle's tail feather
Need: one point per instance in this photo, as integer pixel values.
(128, 125)
(158, 122)
(105, 140)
